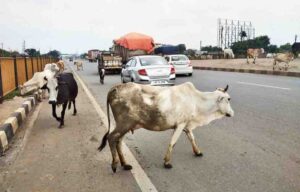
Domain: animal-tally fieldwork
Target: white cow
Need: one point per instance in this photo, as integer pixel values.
(39, 79)
(228, 53)
(283, 58)
(270, 55)
(137, 106)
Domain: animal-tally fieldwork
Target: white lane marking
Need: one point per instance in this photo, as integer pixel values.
(138, 173)
(261, 85)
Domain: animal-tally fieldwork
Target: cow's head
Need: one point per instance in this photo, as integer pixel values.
(262, 50)
(52, 85)
(223, 102)
(52, 67)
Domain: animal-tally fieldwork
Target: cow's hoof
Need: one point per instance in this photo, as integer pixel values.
(74, 114)
(127, 167)
(168, 165)
(60, 126)
(199, 154)
(58, 119)
(114, 169)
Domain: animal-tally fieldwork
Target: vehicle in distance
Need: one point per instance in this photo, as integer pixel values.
(148, 69)
(112, 63)
(181, 63)
(92, 55)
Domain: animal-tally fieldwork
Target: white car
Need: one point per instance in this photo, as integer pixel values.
(148, 69)
(181, 63)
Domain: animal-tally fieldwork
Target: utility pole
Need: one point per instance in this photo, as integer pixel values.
(24, 46)
(200, 46)
(1, 52)
(296, 36)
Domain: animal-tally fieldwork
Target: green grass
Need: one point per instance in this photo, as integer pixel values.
(11, 95)
(14, 93)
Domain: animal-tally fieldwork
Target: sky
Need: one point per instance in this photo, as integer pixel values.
(75, 26)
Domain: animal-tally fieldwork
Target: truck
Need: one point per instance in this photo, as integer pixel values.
(112, 62)
(133, 44)
(92, 55)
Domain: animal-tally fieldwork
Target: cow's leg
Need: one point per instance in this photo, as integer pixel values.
(112, 140)
(75, 110)
(191, 137)
(247, 59)
(115, 142)
(43, 93)
(54, 112)
(121, 156)
(62, 123)
(254, 58)
(274, 64)
(174, 139)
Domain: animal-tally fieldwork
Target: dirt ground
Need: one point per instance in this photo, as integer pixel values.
(9, 106)
(261, 64)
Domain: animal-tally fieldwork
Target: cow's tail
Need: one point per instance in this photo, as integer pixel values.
(104, 139)
(70, 104)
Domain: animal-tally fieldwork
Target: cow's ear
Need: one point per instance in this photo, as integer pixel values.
(45, 78)
(220, 99)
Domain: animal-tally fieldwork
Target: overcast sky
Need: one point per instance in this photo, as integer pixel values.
(74, 26)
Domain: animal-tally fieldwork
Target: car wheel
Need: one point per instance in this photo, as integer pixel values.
(190, 74)
(132, 80)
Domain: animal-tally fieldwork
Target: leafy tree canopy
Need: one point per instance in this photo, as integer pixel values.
(54, 53)
(32, 52)
(211, 48)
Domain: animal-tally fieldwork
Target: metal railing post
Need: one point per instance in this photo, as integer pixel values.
(32, 65)
(1, 85)
(16, 72)
(26, 69)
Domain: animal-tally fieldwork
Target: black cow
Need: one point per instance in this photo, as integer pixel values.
(63, 90)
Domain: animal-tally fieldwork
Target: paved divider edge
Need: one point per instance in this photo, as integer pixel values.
(10, 126)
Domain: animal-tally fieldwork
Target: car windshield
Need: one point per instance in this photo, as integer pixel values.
(146, 61)
(179, 58)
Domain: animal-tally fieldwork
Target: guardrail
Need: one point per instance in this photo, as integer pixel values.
(15, 71)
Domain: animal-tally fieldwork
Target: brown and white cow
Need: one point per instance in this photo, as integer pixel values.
(79, 65)
(181, 108)
(61, 65)
(254, 53)
(283, 57)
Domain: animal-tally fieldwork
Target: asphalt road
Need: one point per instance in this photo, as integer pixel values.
(256, 150)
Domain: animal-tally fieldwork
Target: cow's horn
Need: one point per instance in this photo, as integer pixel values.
(226, 88)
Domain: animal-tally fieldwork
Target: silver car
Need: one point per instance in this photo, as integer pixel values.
(181, 63)
(148, 69)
